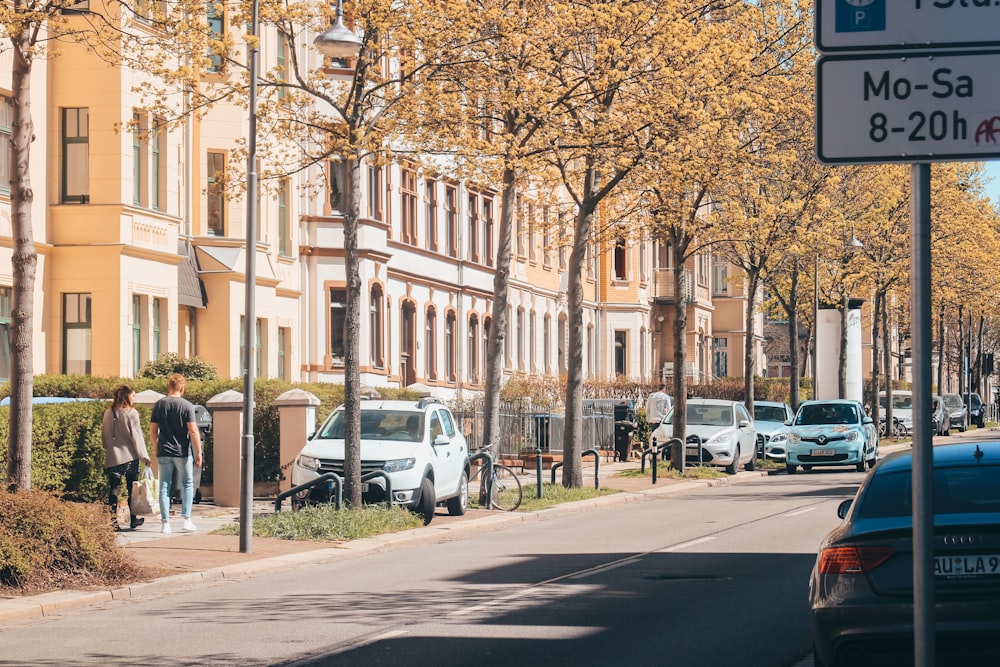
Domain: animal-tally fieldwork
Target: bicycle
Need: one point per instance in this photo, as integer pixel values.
(506, 489)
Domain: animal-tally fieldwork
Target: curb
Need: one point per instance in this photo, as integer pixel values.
(48, 604)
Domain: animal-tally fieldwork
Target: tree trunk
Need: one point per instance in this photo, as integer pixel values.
(749, 360)
(352, 339)
(795, 386)
(887, 356)
(572, 465)
(842, 357)
(978, 374)
(24, 263)
(498, 331)
(940, 370)
(961, 352)
(680, 355)
(877, 309)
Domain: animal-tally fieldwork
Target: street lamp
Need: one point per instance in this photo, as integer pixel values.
(338, 41)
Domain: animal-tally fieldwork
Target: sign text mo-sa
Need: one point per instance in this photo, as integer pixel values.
(908, 108)
(866, 25)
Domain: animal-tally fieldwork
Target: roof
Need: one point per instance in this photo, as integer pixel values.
(190, 289)
(946, 456)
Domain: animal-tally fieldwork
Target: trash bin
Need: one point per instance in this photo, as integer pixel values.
(203, 418)
(542, 431)
(624, 414)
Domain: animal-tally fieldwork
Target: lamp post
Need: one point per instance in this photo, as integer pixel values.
(338, 41)
(249, 318)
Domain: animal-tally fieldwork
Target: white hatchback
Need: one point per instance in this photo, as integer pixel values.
(416, 444)
(724, 430)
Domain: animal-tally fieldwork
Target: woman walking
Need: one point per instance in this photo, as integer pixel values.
(124, 447)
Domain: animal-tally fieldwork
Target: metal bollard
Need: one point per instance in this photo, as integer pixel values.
(538, 471)
(653, 459)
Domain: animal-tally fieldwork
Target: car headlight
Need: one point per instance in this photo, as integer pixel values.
(398, 465)
(794, 438)
(720, 439)
(308, 462)
(851, 436)
(779, 437)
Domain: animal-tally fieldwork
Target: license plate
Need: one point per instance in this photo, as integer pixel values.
(966, 566)
(824, 452)
(692, 450)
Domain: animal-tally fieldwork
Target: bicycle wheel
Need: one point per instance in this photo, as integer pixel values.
(507, 493)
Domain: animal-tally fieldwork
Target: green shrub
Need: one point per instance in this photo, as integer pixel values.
(47, 543)
(192, 368)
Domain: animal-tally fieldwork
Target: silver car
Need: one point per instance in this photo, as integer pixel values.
(719, 433)
(769, 419)
(958, 411)
(861, 586)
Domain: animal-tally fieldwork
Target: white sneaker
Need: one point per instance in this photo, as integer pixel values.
(165, 527)
(189, 526)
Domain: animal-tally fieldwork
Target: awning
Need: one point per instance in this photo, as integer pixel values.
(190, 289)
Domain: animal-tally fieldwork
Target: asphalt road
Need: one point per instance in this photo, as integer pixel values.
(715, 577)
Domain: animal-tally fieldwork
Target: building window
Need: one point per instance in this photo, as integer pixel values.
(547, 344)
(376, 325)
(620, 268)
(5, 133)
(259, 331)
(215, 193)
(375, 193)
(702, 263)
(138, 157)
(473, 227)
(283, 357)
(546, 238)
(449, 346)
(591, 351)
(532, 342)
(159, 166)
(532, 240)
(430, 344)
(451, 218)
(720, 361)
(284, 228)
(720, 276)
(488, 230)
(507, 356)
(76, 334)
(408, 206)
(643, 261)
(430, 213)
(485, 351)
(520, 339)
(157, 314)
(281, 58)
(519, 226)
(216, 28)
(621, 353)
(136, 333)
(338, 319)
(76, 156)
(5, 308)
(335, 186)
(474, 349)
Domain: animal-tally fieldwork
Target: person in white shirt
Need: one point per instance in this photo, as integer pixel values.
(658, 404)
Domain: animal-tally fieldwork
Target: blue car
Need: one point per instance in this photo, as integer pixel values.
(831, 433)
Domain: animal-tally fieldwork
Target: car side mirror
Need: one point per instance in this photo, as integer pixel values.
(311, 435)
(844, 507)
(441, 439)
(788, 422)
(867, 420)
(744, 423)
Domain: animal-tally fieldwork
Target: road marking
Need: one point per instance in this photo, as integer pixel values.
(604, 568)
(685, 545)
(801, 511)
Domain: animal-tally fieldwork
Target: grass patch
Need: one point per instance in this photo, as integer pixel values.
(556, 494)
(769, 464)
(325, 523)
(663, 469)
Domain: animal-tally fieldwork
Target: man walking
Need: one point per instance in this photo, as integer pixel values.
(173, 428)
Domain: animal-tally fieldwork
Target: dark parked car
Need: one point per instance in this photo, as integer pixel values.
(977, 411)
(861, 587)
(958, 411)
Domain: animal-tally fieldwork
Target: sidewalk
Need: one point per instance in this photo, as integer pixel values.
(182, 559)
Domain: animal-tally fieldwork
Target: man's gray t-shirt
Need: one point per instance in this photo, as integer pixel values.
(172, 414)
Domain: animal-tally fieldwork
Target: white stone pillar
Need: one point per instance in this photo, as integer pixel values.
(297, 419)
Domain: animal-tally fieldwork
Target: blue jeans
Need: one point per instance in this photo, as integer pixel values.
(169, 465)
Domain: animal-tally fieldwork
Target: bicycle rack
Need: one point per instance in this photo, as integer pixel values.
(388, 484)
(336, 485)
(597, 466)
(652, 452)
(538, 471)
(488, 458)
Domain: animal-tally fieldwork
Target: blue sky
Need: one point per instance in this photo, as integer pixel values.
(993, 173)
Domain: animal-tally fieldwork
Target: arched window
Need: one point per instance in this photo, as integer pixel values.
(474, 349)
(449, 346)
(376, 326)
(430, 344)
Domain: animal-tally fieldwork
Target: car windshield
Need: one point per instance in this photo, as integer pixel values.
(956, 491)
(709, 415)
(899, 402)
(952, 401)
(975, 401)
(401, 425)
(769, 413)
(831, 413)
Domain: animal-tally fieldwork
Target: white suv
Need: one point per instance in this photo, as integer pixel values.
(416, 443)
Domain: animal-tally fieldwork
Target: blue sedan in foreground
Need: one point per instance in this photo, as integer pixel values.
(831, 433)
(861, 586)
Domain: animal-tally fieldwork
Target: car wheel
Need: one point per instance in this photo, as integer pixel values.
(752, 463)
(872, 461)
(425, 507)
(962, 427)
(735, 465)
(789, 468)
(861, 465)
(460, 503)
(806, 468)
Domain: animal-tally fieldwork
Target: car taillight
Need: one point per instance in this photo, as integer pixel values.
(853, 560)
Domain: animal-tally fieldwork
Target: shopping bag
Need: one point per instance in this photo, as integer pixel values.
(144, 496)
